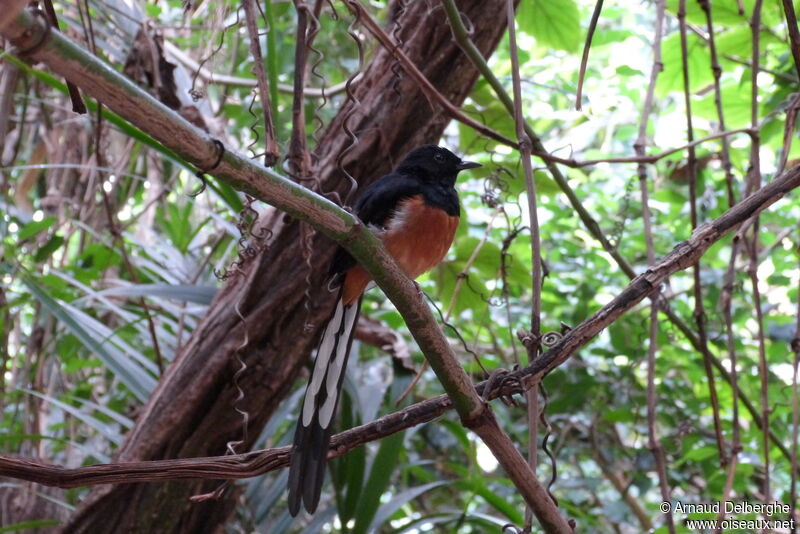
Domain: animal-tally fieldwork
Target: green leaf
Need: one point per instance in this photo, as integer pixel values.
(552, 23)
(28, 526)
(48, 248)
(477, 484)
(738, 41)
(608, 36)
(625, 70)
(722, 11)
(699, 64)
(134, 377)
(153, 11)
(34, 227)
(736, 105)
(618, 415)
(97, 256)
(383, 466)
(699, 454)
(347, 471)
(397, 501)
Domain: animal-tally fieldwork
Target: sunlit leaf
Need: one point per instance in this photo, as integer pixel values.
(555, 24)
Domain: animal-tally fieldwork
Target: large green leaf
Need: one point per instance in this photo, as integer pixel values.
(183, 292)
(384, 464)
(109, 431)
(554, 23)
(28, 526)
(698, 64)
(347, 471)
(137, 380)
(399, 500)
(34, 227)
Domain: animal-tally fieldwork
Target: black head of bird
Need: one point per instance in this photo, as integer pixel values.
(434, 163)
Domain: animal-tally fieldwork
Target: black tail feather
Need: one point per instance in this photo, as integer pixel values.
(313, 433)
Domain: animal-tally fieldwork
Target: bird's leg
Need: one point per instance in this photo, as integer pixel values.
(419, 288)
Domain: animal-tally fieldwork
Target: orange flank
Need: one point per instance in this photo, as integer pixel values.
(418, 237)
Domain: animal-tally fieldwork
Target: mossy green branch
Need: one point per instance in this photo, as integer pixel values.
(97, 79)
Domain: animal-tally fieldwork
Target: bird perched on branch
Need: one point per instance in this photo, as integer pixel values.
(415, 212)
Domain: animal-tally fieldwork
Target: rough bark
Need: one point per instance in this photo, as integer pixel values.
(191, 412)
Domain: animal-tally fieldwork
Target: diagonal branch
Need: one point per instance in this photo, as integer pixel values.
(32, 38)
(117, 92)
(683, 256)
(462, 37)
(103, 83)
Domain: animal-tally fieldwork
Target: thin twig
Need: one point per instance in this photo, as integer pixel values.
(727, 312)
(298, 158)
(78, 106)
(351, 107)
(716, 69)
(587, 45)
(271, 152)
(794, 34)
(761, 68)
(427, 87)
(619, 480)
(525, 148)
(795, 345)
(753, 183)
(652, 431)
(788, 133)
(468, 264)
(699, 310)
(116, 234)
(651, 158)
(728, 286)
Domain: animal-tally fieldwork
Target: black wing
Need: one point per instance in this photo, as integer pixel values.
(375, 207)
(377, 203)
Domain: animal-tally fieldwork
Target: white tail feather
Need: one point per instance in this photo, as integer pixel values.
(326, 349)
(336, 367)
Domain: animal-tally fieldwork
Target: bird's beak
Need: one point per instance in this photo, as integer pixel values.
(464, 165)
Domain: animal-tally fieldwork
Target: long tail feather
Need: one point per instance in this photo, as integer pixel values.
(313, 433)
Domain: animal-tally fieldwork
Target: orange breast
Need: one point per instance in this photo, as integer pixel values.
(418, 237)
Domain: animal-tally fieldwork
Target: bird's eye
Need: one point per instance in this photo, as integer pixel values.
(438, 157)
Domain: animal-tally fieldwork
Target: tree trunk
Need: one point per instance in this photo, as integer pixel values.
(191, 412)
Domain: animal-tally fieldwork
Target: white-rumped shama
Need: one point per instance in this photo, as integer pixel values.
(415, 212)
